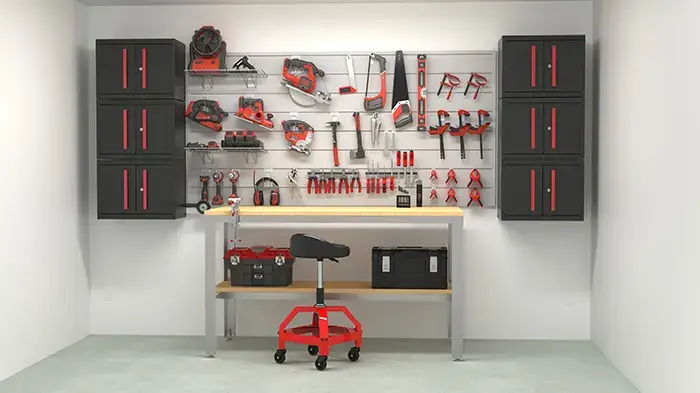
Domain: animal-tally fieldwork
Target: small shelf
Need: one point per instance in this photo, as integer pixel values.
(207, 154)
(249, 77)
(330, 287)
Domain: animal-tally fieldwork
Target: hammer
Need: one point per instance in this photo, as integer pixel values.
(360, 152)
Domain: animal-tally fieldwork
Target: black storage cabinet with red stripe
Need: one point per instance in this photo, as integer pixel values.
(542, 128)
(141, 169)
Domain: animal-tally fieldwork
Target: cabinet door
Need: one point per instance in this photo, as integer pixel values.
(114, 68)
(115, 189)
(521, 127)
(564, 190)
(155, 128)
(521, 190)
(565, 66)
(155, 68)
(115, 129)
(157, 189)
(522, 66)
(564, 125)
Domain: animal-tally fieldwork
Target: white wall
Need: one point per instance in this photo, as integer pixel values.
(645, 288)
(43, 239)
(524, 280)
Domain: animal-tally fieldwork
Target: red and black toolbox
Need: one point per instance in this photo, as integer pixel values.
(259, 266)
(409, 267)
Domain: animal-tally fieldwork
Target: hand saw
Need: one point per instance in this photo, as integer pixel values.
(352, 88)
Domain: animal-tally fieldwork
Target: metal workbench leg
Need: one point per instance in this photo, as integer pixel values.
(227, 301)
(210, 261)
(456, 234)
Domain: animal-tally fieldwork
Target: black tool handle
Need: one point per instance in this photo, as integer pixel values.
(462, 151)
(481, 145)
(442, 148)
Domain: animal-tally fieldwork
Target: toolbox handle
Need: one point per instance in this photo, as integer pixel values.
(257, 267)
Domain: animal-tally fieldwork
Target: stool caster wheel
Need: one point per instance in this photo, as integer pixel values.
(313, 350)
(354, 354)
(279, 356)
(321, 363)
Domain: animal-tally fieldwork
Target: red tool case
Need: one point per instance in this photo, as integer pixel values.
(259, 266)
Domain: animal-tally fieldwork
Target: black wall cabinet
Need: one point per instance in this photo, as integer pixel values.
(140, 69)
(541, 66)
(542, 134)
(531, 191)
(141, 167)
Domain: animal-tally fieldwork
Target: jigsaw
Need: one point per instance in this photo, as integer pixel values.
(252, 110)
(299, 134)
(300, 76)
(207, 113)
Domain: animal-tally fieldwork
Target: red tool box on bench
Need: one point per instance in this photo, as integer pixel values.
(409, 267)
(259, 266)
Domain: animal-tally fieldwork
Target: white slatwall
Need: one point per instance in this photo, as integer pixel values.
(279, 160)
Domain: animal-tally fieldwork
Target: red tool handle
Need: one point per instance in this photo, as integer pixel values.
(143, 69)
(533, 66)
(332, 185)
(410, 154)
(532, 190)
(405, 159)
(391, 183)
(356, 116)
(336, 162)
(308, 186)
(144, 193)
(554, 66)
(384, 185)
(553, 194)
(317, 186)
(125, 189)
(359, 185)
(144, 129)
(398, 158)
(124, 70)
(554, 128)
(125, 129)
(533, 127)
(347, 186)
(368, 185)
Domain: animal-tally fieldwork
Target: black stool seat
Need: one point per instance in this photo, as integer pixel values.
(312, 247)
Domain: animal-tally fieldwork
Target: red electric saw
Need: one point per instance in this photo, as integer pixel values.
(252, 110)
(207, 50)
(300, 76)
(299, 134)
(207, 113)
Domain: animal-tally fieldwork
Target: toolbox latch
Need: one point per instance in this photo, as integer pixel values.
(235, 260)
(279, 260)
(433, 264)
(386, 264)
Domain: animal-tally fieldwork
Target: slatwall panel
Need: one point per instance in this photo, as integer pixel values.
(279, 160)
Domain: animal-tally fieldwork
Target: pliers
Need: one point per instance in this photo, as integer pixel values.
(294, 185)
(356, 178)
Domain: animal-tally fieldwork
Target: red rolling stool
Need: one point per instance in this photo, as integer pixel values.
(319, 335)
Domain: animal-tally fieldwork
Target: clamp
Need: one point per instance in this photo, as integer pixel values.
(450, 81)
(433, 194)
(475, 176)
(451, 176)
(478, 81)
(451, 195)
(475, 196)
(433, 175)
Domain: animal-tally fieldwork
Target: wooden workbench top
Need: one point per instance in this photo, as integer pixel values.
(337, 287)
(441, 211)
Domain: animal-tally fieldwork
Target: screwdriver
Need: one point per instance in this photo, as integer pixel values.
(405, 164)
(410, 163)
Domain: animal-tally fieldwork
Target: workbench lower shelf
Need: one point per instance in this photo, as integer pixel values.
(336, 290)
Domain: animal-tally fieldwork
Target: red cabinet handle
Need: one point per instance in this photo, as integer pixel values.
(533, 66)
(553, 194)
(554, 128)
(532, 190)
(144, 129)
(533, 127)
(143, 68)
(554, 66)
(125, 129)
(144, 195)
(125, 188)
(124, 70)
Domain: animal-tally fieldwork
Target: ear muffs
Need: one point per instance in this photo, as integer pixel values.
(259, 196)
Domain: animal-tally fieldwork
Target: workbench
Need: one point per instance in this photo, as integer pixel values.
(218, 219)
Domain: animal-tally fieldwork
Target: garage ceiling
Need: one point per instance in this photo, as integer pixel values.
(209, 2)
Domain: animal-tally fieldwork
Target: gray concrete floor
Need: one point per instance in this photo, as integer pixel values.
(109, 364)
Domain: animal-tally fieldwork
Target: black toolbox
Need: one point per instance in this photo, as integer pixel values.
(259, 266)
(409, 267)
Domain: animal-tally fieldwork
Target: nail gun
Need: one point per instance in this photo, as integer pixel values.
(207, 113)
(252, 110)
(300, 76)
(300, 134)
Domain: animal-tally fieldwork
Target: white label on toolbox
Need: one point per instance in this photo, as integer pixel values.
(433, 264)
(386, 264)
